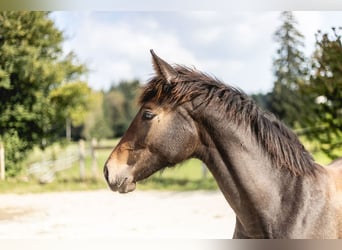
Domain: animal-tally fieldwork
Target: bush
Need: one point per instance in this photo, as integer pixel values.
(15, 152)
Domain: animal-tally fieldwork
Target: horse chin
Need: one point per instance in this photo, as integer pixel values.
(127, 187)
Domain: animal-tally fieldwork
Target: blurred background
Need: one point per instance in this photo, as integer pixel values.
(69, 83)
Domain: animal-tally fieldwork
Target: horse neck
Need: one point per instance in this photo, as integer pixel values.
(253, 187)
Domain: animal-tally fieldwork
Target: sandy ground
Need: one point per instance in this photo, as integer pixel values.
(106, 215)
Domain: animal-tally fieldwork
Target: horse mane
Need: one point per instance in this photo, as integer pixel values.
(281, 145)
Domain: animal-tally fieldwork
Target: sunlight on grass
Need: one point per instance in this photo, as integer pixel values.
(318, 156)
(182, 177)
(185, 176)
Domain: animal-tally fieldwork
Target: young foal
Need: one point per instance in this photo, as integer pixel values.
(264, 172)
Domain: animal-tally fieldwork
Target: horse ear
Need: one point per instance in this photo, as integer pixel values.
(162, 68)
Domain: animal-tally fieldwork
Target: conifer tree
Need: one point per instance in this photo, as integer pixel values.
(324, 115)
(290, 71)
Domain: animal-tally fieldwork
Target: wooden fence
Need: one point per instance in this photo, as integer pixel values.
(94, 147)
(45, 171)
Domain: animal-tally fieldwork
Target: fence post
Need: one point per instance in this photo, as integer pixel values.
(2, 161)
(82, 159)
(94, 158)
(204, 170)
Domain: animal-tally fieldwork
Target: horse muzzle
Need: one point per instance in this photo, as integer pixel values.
(119, 178)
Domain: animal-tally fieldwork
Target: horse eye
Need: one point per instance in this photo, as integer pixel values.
(147, 115)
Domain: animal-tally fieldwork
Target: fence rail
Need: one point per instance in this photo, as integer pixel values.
(46, 170)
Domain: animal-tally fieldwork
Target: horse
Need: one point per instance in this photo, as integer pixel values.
(264, 172)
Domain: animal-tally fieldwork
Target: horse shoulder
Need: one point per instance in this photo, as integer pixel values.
(335, 183)
(335, 174)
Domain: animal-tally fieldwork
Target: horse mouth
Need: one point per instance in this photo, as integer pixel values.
(124, 186)
(129, 187)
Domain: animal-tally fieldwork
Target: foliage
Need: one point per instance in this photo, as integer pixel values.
(95, 125)
(100, 130)
(289, 69)
(263, 100)
(31, 66)
(71, 102)
(15, 150)
(324, 115)
(120, 106)
(308, 98)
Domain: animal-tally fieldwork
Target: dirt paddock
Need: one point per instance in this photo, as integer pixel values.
(108, 215)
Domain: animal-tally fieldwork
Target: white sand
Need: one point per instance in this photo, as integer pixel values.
(106, 215)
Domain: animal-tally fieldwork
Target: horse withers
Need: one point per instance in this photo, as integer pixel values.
(271, 182)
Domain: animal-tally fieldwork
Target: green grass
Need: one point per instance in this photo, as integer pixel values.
(185, 176)
(182, 177)
(319, 156)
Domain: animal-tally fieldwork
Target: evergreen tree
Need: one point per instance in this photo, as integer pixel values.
(324, 115)
(120, 106)
(263, 100)
(289, 70)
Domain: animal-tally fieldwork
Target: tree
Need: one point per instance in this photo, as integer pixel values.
(324, 115)
(71, 102)
(263, 100)
(95, 125)
(31, 66)
(114, 112)
(289, 69)
(120, 106)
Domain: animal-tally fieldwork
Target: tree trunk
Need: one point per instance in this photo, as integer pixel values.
(68, 129)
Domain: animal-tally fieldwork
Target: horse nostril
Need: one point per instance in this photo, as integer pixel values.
(105, 172)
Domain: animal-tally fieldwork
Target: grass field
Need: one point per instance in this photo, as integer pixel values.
(182, 177)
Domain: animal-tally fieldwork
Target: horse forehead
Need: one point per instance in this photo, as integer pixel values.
(163, 119)
(154, 106)
(162, 112)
